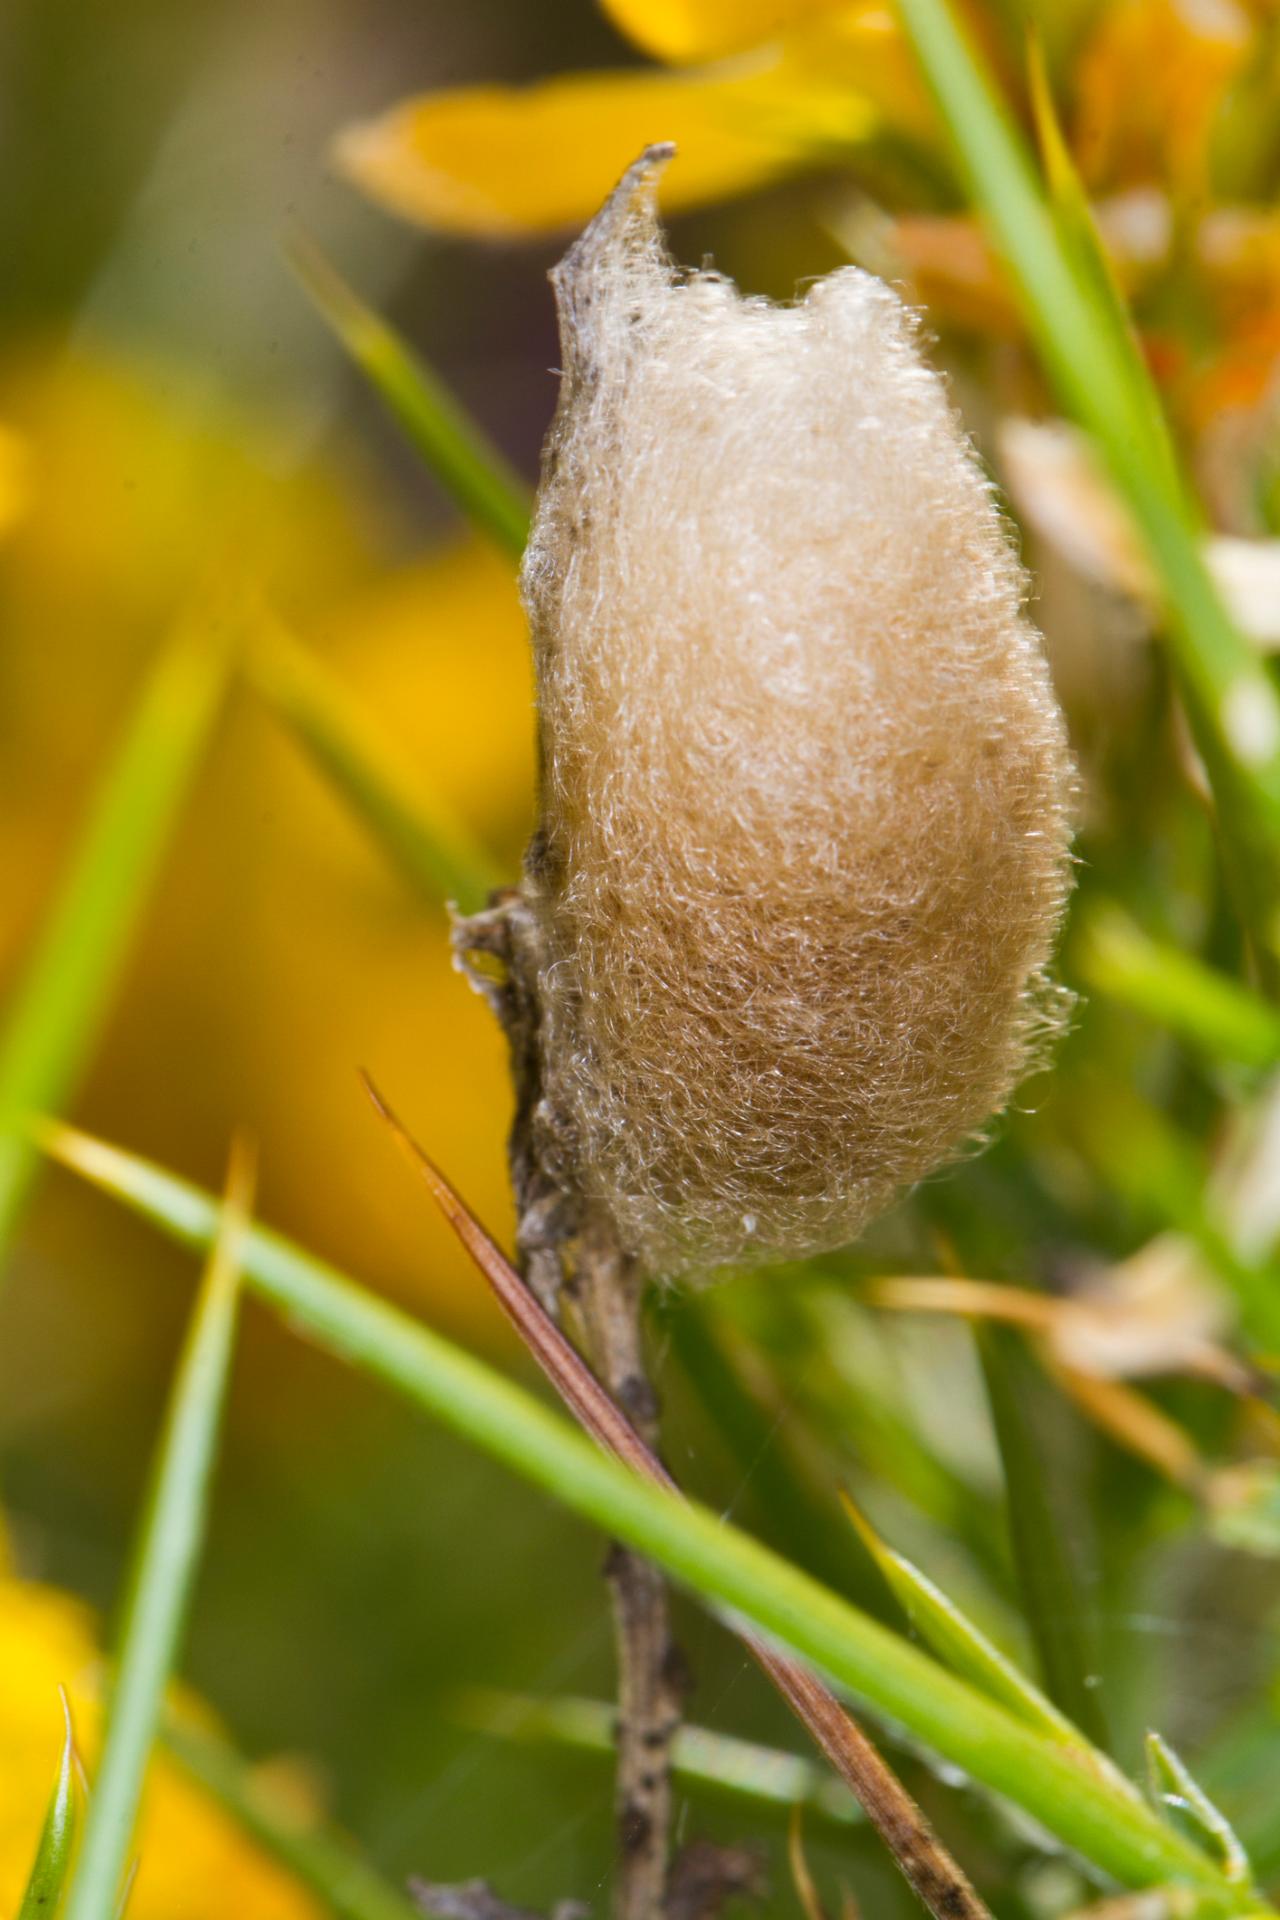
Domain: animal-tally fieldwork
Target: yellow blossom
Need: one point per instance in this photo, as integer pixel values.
(194, 1861)
(13, 478)
(754, 90)
(680, 30)
(1188, 56)
(504, 161)
(130, 491)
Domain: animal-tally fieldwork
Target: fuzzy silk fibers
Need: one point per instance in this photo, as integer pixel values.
(805, 799)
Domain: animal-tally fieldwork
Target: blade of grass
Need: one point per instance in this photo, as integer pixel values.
(62, 998)
(1233, 708)
(464, 460)
(1217, 1014)
(167, 1549)
(1175, 1786)
(435, 850)
(311, 1852)
(126, 1890)
(1050, 1590)
(764, 1776)
(1240, 1765)
(1105, 1826)
(929, 1868)
(955, 1639)
(1080, 236)
(48, 1877)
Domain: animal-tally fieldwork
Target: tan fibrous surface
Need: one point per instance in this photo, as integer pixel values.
(805, 809)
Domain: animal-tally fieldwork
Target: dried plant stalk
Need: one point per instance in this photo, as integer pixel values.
(572, 1260)
(938, 1879)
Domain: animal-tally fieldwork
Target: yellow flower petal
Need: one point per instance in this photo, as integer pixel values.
(425, 651)
(13, 478)
(194, 1861)
(681, 30)
(132, 487)
(1187, 54)
(503, 162)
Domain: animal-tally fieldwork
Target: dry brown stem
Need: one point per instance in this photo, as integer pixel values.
(572, 1260)
(652, 1677)
(925, 1863)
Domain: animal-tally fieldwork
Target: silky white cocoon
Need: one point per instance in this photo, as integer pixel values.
(805, 801)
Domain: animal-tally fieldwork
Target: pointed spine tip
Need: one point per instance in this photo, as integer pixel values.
(634, 197)
(624, 230)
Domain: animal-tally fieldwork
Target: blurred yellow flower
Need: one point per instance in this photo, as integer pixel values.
(282, 951)
(797, 84)
(807, 81)
(1188, 53)
(339, 966)
(1186, 217)
(681, 30)
(13, 478)
(194, 1861)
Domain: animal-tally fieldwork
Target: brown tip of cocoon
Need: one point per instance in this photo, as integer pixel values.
(805, 809)
(626, 228)
(633, 200)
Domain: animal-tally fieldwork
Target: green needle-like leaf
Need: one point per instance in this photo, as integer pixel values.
(762, 1776)
(1221, 1016)
(1087, 1812)
(434, 850)
(1175, 1786)
(62, 998)
(966, 1649)
(166, 1553)
(465, 462)
(1079, 234)
(43, 1897)
(1050, 1590)
(126, 1891)
(1233, 708)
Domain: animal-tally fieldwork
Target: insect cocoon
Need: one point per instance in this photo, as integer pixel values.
(803, 847)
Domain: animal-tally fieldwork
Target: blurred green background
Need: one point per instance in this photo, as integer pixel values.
(175, 411)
